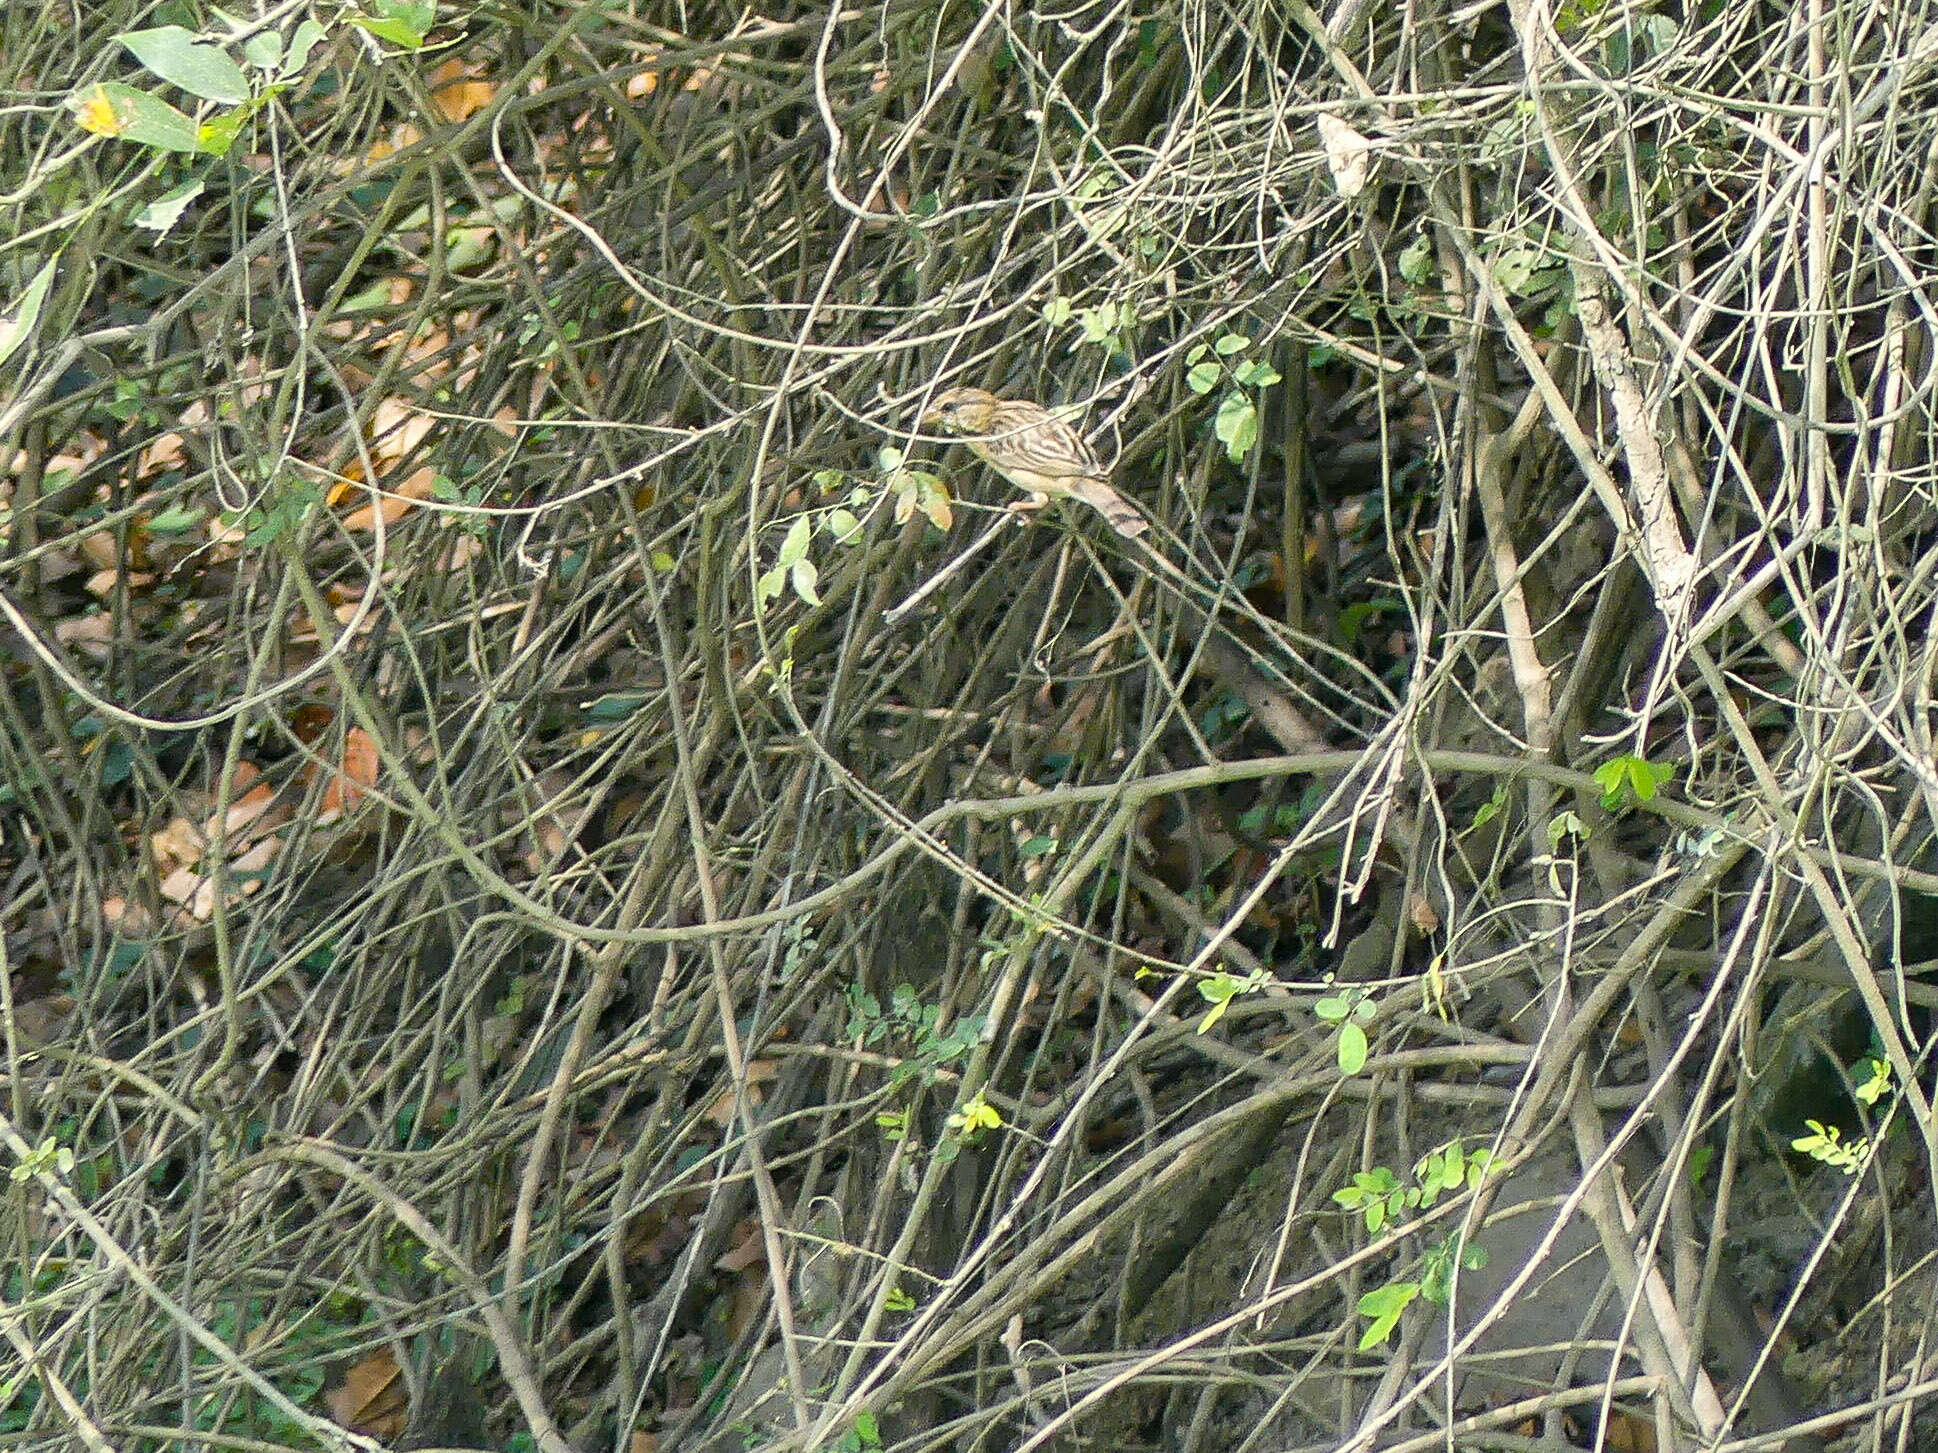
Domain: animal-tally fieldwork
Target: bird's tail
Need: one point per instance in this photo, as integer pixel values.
(1124, 519)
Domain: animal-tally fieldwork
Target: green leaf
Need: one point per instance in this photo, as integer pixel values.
(401, 22)
(17, 325)
(1256, 373)
(184, 59)
(218, 134)
(1237, 426)
(1563, 824)
(300, 45)
(805, 577)
(1384, 1305)
(1202, 378)
(1491, 809)
(800, 535)
(174, 522)
(1231, 343)
(770, 585)
(166, 210)
(112, 109)
(843, 525)
(1058, 311)
(1097, 323)
(264, 51)
(1623, 776)
(1352, 1049)
(1416, 262)
(1515, 266)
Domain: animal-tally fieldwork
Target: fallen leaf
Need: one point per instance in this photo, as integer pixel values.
(1349, 155)
(395, 502)
(356, 773)
(373, 1399)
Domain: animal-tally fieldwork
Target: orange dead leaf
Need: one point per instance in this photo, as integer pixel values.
(462, 99)
(251, 807)
(396, 501)
(356, 774)
(372, 1399)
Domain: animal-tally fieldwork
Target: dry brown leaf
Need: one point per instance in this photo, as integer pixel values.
(100, 549)
(102, 583)
(177, 845)
(749, 1299)
(759, 1072)
(42, 1021)
(372, 1399)
(191, 890)
(395, 502)
(748, 1249)
(463, 99)
(130, 920)
(89, 633)
(1348, 155)
(256, 806)
(166, 451)
(356, 773)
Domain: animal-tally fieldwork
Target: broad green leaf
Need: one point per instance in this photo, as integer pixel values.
(264, 51)
(166, 210)
(109, 108)
(1237, 426)
(182, 58)
(805, 578)
(1352, 1049)
(800, 535)
(17, 324)
(401, 22)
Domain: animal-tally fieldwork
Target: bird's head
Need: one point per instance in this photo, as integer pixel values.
(962, 411)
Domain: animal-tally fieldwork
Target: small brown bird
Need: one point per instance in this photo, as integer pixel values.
(1035, 451)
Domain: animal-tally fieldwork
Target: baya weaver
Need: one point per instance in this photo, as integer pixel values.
(1035, 451)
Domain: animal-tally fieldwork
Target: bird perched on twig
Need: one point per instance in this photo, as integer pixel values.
(1035, 451)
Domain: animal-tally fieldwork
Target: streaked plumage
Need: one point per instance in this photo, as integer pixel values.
(1034, 450)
